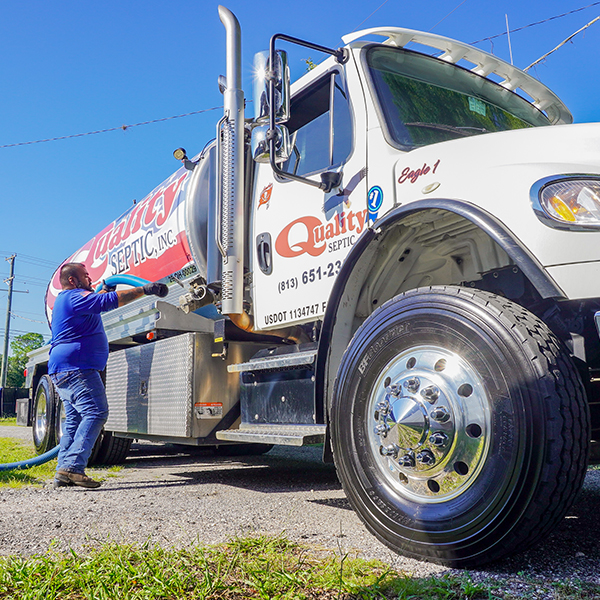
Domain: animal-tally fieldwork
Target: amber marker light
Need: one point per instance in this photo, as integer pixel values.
(562, 210)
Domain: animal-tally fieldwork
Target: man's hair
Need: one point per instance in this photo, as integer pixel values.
(69, 270)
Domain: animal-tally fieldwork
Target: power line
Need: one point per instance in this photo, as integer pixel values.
(31, 259)
(26, 278)
(12, 314)
(493, 37)
(32, 280)
(35, 314)
(539, 60)
(43, 262)
(17, 331)
(365, 20)
(455, 9)
(121, 127)
(25, 281)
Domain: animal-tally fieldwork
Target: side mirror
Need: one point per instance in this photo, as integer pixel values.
(260, 144)
(263, 73)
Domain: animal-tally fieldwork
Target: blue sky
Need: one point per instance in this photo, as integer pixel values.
(74, 66)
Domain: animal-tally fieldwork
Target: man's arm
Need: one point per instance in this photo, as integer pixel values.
(150, 289)
(127, 296)
(87, 302)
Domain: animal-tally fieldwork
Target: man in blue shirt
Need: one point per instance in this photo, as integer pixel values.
(79, 350)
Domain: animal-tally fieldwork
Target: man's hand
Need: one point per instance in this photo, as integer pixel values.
(156, 289)
(108, 288)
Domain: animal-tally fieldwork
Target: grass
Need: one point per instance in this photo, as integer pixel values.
(8, 421)
(15, 450)
(262, 568)
(576, 590)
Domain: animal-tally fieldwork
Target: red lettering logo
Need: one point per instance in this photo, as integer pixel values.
(282, 244)
(316, 233)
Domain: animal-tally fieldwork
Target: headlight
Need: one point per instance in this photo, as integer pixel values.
(569, 203)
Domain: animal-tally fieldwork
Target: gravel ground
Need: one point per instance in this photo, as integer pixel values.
(171, 498)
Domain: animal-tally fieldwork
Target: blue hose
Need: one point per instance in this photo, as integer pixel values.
(123, 279)
(32, 462)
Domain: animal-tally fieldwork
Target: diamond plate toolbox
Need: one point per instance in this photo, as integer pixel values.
(150, 387)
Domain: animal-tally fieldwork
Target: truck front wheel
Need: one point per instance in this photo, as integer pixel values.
(459, 426)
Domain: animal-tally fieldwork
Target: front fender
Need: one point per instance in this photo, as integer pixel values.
(339, 322)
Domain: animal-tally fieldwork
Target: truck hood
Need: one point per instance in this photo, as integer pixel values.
(576, 145)
(497, 171)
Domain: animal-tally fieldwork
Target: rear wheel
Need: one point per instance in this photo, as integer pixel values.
(44, 409)
(109, 450)
(459, 426)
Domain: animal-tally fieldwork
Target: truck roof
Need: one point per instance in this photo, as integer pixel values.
(484, 64)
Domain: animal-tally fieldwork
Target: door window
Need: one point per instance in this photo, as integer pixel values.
(320, 127)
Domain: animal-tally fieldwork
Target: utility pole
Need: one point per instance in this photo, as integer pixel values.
(9, 281)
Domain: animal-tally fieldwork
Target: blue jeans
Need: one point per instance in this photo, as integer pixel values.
(84, 398)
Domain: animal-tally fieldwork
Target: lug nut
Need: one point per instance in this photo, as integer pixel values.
(383, 408)
(431, 393)
(412, 384)
(440, 414)
(391, 450)
(394, 390)
(407, 461)
(381, 429)
(426, 457)
(438, 439)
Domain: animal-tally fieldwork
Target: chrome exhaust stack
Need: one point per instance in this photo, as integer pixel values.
(230, 226)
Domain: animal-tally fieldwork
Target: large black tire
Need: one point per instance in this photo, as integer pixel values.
(109, 450)
(459, 426)
(44, 410)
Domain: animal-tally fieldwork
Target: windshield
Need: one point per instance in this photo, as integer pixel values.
(425, 100)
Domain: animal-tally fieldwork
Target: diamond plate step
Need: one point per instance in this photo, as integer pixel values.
(283, 435)
(280, 361)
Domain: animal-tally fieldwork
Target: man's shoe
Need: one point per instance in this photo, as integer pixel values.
(60, 482)
(80, 479)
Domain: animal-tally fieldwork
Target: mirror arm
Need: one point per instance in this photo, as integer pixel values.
(341, 54)
(284, 174)
(329, 180)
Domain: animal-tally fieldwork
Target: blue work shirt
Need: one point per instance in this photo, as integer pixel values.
(78, 338)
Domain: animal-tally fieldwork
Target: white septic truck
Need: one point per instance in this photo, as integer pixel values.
(398, 257)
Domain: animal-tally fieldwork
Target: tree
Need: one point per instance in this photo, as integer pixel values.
(20, 346)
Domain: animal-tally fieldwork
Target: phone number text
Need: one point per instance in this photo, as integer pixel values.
(310, 276)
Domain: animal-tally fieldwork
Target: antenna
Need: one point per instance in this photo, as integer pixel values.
(509, 44)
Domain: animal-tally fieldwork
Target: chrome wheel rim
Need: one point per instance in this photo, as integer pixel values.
(41, 417)
(61, 420)
(429, 422)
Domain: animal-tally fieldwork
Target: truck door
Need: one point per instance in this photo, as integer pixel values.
(301, 234)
